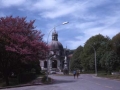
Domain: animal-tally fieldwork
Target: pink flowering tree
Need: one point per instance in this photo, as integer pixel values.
(19, 42)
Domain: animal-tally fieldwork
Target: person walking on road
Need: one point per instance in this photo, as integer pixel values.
(78, 73)
(74, 73)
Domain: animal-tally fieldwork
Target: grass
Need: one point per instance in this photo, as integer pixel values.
(44, 80)
(2, 83)
(38, 79)
(15, 81)
(12, 82)
(109, 76)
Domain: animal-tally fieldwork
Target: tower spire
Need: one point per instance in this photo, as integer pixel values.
(54, 35)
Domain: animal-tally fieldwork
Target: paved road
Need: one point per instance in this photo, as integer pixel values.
(85, 82)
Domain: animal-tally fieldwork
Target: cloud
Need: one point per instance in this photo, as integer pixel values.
(55, 8)
(45, 4)
(57, 13)
(86, 17)
(9, 3)
(73, 43)
(107, 26)
(79, 40)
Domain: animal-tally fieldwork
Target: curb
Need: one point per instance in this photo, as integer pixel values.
(106, 78)
(23, 85)
(20, 85)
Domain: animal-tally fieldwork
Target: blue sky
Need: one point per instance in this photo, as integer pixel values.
(86, 17)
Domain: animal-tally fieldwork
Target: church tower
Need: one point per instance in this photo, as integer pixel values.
(54, 36)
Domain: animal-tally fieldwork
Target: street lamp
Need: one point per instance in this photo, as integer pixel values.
(95, 60)
(47, 44)
(54, 28)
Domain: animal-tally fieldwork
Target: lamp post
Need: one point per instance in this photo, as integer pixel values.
(47, 44)
(95, 61)
(54, 28)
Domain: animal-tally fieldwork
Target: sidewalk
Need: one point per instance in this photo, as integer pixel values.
(61, 73)
(37, 81)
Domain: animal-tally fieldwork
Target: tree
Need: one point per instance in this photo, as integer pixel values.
(75, 62)
(116, 43)
(19, 42)
(110, 61)
(95, 42)
(107, 49)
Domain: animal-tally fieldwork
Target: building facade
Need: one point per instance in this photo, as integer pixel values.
(58, 56)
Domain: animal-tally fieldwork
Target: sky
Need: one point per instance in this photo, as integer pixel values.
(86, 18)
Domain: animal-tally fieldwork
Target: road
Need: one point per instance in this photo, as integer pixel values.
(84, 82)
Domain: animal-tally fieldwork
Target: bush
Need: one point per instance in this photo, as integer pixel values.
(26, 77)
(43, 72)
(0, 75)
(88, 72)
(44, 80)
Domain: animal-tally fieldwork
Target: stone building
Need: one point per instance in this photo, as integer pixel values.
(58, 56)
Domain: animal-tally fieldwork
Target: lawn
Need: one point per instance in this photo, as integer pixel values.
(109, 76)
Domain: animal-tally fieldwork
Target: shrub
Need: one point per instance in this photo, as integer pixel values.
(43, 72)
(26, 77)
(44, 80)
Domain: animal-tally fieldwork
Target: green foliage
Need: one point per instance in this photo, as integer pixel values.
(75, 61)
(27, 77)
(95, 42)
(43, 72)
(116, 43)
(71, 51)
(44, 79)
(110, 61)
(107, 54)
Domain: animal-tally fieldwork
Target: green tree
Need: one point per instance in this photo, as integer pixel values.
(75, 62)
(110, 61)
(95, 42)
(116, 43)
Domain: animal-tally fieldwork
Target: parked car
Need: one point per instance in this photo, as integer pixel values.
(52, 72)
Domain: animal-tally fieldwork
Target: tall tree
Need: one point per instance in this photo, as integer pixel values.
(75, 62)
(93, 43)
(116, 43)
(111, 61)
(19, 42)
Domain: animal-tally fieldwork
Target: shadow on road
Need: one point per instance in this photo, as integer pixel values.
(63, 81)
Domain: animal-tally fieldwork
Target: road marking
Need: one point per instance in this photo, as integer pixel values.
(108, 86)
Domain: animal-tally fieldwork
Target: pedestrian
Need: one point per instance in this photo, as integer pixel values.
(78, 73)
(74, 73)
